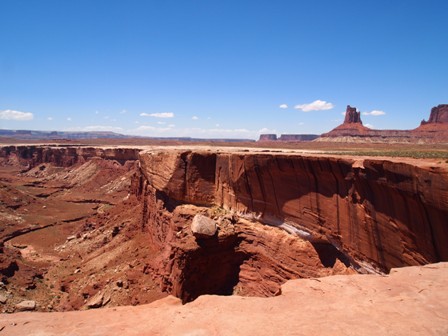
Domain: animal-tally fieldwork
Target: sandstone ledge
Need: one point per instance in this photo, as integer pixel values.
(410, 301)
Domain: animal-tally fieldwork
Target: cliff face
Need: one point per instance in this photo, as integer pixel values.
(352, 116)
(280, 216)
(65, 156)
(439, 114)
(378, 213)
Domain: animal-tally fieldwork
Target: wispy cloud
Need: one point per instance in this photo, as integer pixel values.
(210, 133)
(194, 117)
(50, 118)
(95, 128)
(123, 112)
(369, 125)
(374, 113)
(283, 106)
(16, 115)
(317, 105)
(158, 115)
(69, 119)
(101, 128)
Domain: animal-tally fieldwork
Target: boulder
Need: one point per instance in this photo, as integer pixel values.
(3, 298)
(203, 227)
(26, 305)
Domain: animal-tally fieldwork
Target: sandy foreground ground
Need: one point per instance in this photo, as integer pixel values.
(409, 301)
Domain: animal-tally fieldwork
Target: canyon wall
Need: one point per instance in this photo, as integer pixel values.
(280, 215)
(378, 213)
(65, 156)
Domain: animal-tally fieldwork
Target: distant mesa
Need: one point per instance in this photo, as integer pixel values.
(352, 130)
(439, 114)
(288, 137)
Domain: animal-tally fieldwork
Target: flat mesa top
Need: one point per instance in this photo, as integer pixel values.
(439, 164)
(434, 156)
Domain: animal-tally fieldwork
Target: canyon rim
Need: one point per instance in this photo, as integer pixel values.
(88, 227)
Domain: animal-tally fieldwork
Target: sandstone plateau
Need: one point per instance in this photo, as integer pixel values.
(85, 227)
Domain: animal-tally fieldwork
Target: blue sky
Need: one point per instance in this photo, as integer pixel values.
(206, 68)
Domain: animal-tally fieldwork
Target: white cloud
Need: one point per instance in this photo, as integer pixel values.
(283, 106)
(171, 125)
(95, 128)
(123, 112)
(266, 130)
(101, 128)
(374, 113)
(343, 113)
(146, 128)
(217, 125)
(194, 118)
(205, 133)
(50, 118)
(97, 112)
(369, 126)
(69, 119)
(161, 122)
(158, 115)
(16, 115)
(317, 105)
(301, 123)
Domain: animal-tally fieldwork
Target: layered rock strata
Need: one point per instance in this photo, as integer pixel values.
(369, 215)
(279, 215)
(65, 156)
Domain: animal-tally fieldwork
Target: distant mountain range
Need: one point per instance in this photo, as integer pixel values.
(58, 135)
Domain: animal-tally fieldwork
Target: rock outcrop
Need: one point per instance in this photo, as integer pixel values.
(65, 156)
(268, 137)
(410, 301)
(352, 116)
(369, 215)
(288, 137)
(278, 215)
(439, 115)
(434, 130)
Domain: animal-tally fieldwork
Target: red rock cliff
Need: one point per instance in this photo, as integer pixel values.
(380, 213)
(439, 114)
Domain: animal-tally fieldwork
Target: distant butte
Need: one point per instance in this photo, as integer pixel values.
(352, 130)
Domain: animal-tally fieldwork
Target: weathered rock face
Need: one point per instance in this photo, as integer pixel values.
(298, 137)
(378, 214)
(267, 137)
(279, 216)
(352, 116)
(439, 114)
(65, 156)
